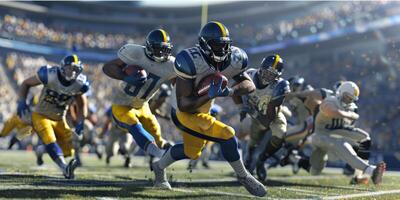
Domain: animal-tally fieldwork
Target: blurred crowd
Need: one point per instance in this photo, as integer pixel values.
(327, 17)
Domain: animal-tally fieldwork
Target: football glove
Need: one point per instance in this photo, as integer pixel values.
(22, 108)
(79, 128)
(217, 91)
(135, 80)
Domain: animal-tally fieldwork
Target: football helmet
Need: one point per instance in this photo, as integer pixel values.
(158, 45)
(348, 92)
(71, 67)
(215, 42)
(271, 69)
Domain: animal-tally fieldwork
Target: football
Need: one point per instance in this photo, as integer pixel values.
(134, 70)
(204, 85)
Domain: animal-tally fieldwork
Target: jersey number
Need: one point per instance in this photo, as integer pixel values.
(336, 124)
(134, 90)
(53, 97)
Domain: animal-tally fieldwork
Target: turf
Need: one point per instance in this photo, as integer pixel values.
(21, 178)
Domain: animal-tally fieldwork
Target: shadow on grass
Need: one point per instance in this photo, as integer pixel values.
(276, 183)
(53, 187)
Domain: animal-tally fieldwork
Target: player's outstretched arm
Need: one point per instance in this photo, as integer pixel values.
(333, 111)
(26, 85)
(185, 95)
(243, 85)
(114, 69)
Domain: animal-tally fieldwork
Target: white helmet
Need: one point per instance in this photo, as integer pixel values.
(350, 88)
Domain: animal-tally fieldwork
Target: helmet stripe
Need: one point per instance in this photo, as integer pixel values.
(223, 31)
(356, 91)
(75, 58)
(277, 58)
(164, 35)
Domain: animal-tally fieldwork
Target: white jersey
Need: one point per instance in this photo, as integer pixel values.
(191, 64)
(257, 101)
(157, 73)
(324, 122)
(56, 95)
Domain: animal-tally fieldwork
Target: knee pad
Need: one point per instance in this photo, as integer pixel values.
(192, 154)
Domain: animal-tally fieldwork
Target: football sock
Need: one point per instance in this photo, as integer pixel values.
(56, 154)
(173, 154)
(273, 145)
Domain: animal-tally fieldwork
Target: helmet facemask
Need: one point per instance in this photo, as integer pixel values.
(160, 52)
(71, 71)
(268, 75)
(217, 50)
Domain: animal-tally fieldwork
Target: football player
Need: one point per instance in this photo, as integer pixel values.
(23, 125)
(61, 85)
(130, 109)
(125, 140)
(264, 106)
(212, 55)
(335, 133)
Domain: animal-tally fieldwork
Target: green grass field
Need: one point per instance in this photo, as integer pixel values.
(21, 178)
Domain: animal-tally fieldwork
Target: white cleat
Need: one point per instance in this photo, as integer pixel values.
(160, 178)
(253, 186)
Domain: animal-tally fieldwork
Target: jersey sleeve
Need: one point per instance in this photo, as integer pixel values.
(239, 59)
(42, 74)
(281, 88)
(130, 53)
(184, 66)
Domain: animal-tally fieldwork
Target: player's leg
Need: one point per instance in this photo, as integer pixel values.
(113, 136)
(278, 129)
(319, 156)
(125, 117)
(257, 132)
(64, 137)
(9, 125)
(150, 123)
(44, 129)
(197, 129)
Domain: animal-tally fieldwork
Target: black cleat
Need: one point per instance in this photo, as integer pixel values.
(261, 171)
(128, 163)
(39, 161)
(69, 171)
(378, 173)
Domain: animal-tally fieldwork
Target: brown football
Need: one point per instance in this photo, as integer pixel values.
(134, 70)
(204, 85)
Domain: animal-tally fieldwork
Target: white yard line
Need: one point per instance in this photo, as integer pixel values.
(305, 192)
(214, 192)
(365, 194)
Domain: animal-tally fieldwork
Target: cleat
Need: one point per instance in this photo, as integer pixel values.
(108, 158)
(160, 178)
(253, 186)
(39, 161)
(69, 171)
(261, 171)
(359, 181)
(128, 163)
(378, 173)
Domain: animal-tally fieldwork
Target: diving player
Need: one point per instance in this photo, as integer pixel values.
(335, 133)
(61, 85)
(213, 54)
(130, 109)
(264, 106)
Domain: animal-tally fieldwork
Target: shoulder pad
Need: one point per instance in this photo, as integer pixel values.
(184, 65)
(42, 73)
(84, 82)
(281, 88)
(326, 92)
(239, 58)
(131, 53)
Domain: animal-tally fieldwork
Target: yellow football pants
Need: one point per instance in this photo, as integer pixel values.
(199, 128)
(14, 122)
(131, 116)
(51, 131)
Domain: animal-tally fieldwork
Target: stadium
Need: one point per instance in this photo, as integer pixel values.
(199, 99)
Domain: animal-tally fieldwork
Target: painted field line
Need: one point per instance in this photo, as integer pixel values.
(365, 194)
